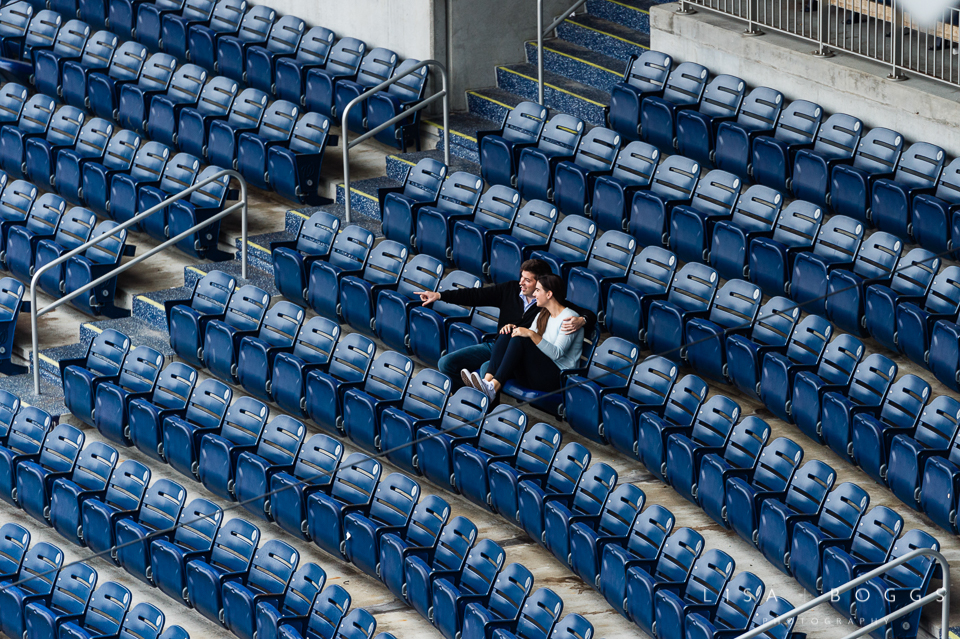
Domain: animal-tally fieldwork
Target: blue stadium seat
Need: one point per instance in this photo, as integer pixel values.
(691, 225)
(133, 534)
(255, 355)
(770, 609)
(283, 40)
(538, 618)
(187, 319)
(82, 270)
(293, 608)
(608, 263)
(806, 497)
(183, 433)
(891, 199)
(146, 621)
(359, 624)
(179, 174)
(696, 129)
(733, 612)
(772, 476)
(386, 385)
(203, 37)
(436, 442)
(16, 203)
(15, 542)
(318, 88)
(672, 571)
(324, 616)
(834, 373)
(43, 562)
(837, 143)
(916, 325)
(934, 214)
(649, 389)
(871, 545)
(536, 453)
(294, 170)
(744, 351)
(500, 149)
(850, 187)
(770, 259)
(589, 535)
(348, 368)
(569, 246)
(596, 491)
(837, 246)
(644, 76)
(243, 429)
(674, 183)
(136, 380)
(104, 616)
(734, 311)
(81, 376)
(98, 515)
(710, 578)
(755, 215)
(627, 303)
(246, 113)
(911, 282)
(65, 167)
(48, 64)
(13, 97)
(9, 407)
(399, 97)
(243, 317)
(391, 510)
(40, 153)
(691, 295)
(314, 469)
(276, 452)
(608, 371)
(422, 535)
(868, 389)
(43, 225)
(536, 166)
(292, 258)
(358, 295)
(251, 150)
(683, 89)
(353, 488)
(148, 29)
(270, 573)
(58, 459)
(612, 192)
(16, 18)
(482, 325)
(448, 559)
(804, 352)
(938, 495)
(532, 229)
(759, 113)
(175, 29)
(502, 607)
(452, 592)
(94, 186)
(882, 596)
(11, 304)
(875, 264)
(574, 179)
(41, 33)
(34, 122)
(839, 519)
(97, 55)
(204, 203)
(68, 601)
(146, 169)
(312, 350)
(191, 128)
(498, 442)
(147, 414)
(458, 200)
(376, 67)
(128, 66)
(290, 71)
(167, 87)
(908, 453)
(399, 205)
(798, 127)
(230, 561)
(559, 482)
(429, 324)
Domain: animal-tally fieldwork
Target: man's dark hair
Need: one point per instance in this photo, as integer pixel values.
(538, 268)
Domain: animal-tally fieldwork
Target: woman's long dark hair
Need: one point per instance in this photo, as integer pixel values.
(558, 287)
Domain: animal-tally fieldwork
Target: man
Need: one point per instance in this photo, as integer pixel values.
(517, 308)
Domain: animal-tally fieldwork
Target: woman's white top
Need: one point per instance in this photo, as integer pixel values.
(564, 350)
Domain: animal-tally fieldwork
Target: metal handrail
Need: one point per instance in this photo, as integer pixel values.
(942, 593)
(542, 32)
(345, 132)
(35, 313)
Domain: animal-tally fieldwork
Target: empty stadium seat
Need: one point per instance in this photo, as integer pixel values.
(691, 295)
(82, 270)
(98, 515)
(837, 245)
(244, 316)
(243, 429)
(569, 246)
(835, 146)
(58, 458)
(574, 178)
(868, 388)
(498, 442)
(770, 259)
(590, 535)
(691, 225)
(15, 541)
(42, 560)
(911, 282)
(13, 97)
(399, 205)
(191, 128)
(159, 512)
(716, 467)
(324, 616)
(256, 354)
(137, 378)
(94, 186)
(376, 67)
(68, 600)
(175, 29)
(673, 183)
(283, 41)
(452, 593)
(179, 174)
(536, 453)
(205, 412)
(312, 349)
(276, 452)
(733, 611)
(502, 607)
(755, 215)
(392, 509)
(69, 44)
(798, 127)
(429, 324)
(17, 17)
(759, 113)
(608, 371)
(218, 139)
(313, 470)
(608, 262)
(834, 373)
(436, 442)
(500, 149)
(276, 127)
(938, 495)
(559, 482)
(538, 619)
(386, 384)
(532, 229)
(452, 550)
(648, 389)
(891, 201)
(696, 129)
(874, 265)
(644, 76)
(25, 439)
(432, 233)
(353, 488)
(294, 608)
(35, 119)
(203, 37)
(683, 89)
(294, 170)
(230, 561)
(349, 365)
(289, 72)
(292, 258)
(387, 262)
(804, 352)
(399, 97)
(64, 168)
(596, 489)
(775, 323)
(933, 220)
(147, 414)
(128, 66)
(916, 324)
(40, 154)
(98, 53)
(908, 453)
(104, 616)
(319, 88)
(270, 573)
(81, 376)
(559, 141)
(709, 580)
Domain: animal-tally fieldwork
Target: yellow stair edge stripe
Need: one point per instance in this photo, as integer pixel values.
(582, 61)
(298, 213)
(93, 328)
(257, 246)
(620, 4)
(144, 298)
(359, 192)
(555, 88)
(196, 270)
(47, 359)
(489, 99)
(398, 159)
(609, 35)
(439, 125)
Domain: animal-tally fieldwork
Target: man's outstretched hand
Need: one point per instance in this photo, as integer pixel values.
(570, 325)
(429, 297)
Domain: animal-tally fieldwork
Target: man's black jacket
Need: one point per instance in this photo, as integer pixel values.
(506, 297)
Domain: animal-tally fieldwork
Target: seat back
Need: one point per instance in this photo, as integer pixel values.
(247, 109)
(709, 576)
(598, 149)
(481, 568)
(524, 123)
(466, 407)
(573, 238)
(875, 535)
(740, 599)
(121, 150)
(612, 362)
(93, 138)
(920, 166)
(537, 450)
(106, 353)
(99, 50)
(648, 71)
(140, 369)
(17, 200)
(352, 358)
(327, 611)
(748, 438)
(840, 360)
(281, 324)
(838, 136)
(944, 295)
(917, 572)
(315, 46)
(611, 254)
(636, 163)
(75, 228)
(244, 422)
(235, 546)
(723, 96)
(385, 263)
(593, 489)
(306, 584)
(776, 321)
(914, 273)
(649, 532)
(29, 429)
(356, 479)
(411, 87)
(680, 551)
(127, 485)
(652, 381)
(685, 84)
(316, 340)
(694, 287)
(14, 542)
(685, 400)
(567, 469)
(878, 256)
(40, 569)
(109, 251)
(839, 239)
(715, 421)
(42, 29)
(937, 425)
(561, 135)
(769, 610)
(426, 395)
(879, 151)
(501, 432)
(187, 83)
(510, 591)
(149, 162)
(212, 293)
(247, 308)
(428, 519)
(675, 178)
(318, 460)
(620, 510)
(799, 224)
(73, 589)
(309, 135)
(71, 39)
(60, 449)
(736, 305)
(777, 465)
(45, 214)
(161, 505)
(460, 193)
(808, 490)
(208, 404)
(256, 24)
(127, 62)
(157, 72)
(107, 610)
(872, 380)
(843, 510)
(539, 615)
(716, 193)
(757, 209)
(37, 113)
(376, 67)
(13, 97)
(285, 35)
(180, 173)
(948, 188)
(454, 544)
(144, 621)
(799, 123)
(761, 108)
(809, 340)
(389, 376)
(9, 403)
(217, 96)
(272, 568)
(652, 271)
(345, 56)
(424, 180)
(497, 208)
(65, 126)
(213, 194)
(535, 222)
(281, 441)
(394, 501)
(278, 122)
(226, 16)
(358, 624)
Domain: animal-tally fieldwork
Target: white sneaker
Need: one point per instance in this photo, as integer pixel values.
(465, 378)
(489, 390)
(476, 381)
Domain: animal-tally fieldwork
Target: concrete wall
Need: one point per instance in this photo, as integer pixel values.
(919, 108)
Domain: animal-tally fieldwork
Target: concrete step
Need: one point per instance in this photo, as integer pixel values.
(363, 195)
(604, 36)
(463, 128)
(561, 93)
(399, 165)
(577, 63)
(492, 103)
(634, 14)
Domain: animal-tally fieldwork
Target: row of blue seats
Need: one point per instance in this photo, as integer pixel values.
(252, 462)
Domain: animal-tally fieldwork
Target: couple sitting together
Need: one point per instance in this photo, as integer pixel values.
(540, 335)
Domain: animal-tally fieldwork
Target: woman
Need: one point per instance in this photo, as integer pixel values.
(533, 356)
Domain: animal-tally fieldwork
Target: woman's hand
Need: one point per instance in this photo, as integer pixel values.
(521, 331)
(508, 329)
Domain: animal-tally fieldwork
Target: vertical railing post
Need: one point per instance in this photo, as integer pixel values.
(823, 30)
(896, 42)
(684, 8)
(753, 9)
(540, 51)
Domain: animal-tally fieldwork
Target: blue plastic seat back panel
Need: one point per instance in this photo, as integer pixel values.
(144, 621)
(717, 193)
(715, 421)
(377, 66)
(244, 422)
(212, 293)
(872, 380)
(345, 57)
(248, 109)
(777, 466)
(497, 208)
(466, 407)
(567, 469)
(247, 308)
(199, 525)
(179, 173)
(915, 273)
(327, 611)
(73, 589)
(799, 224)
(208, 404)
(14, 543)
(42, 562)
(561, 135)
(427, 521)
(879, 151)
(127, 62)
(316, 340)
(36, 114)
(944, 295)
(71, 39)
(612, 362)
(535, 222)
(424, 180)
(315, 46)
(426, 395)
(839, 239)
(278, 121)
(739, 601)
(13, 97)
(9, 404)
(761, 108)
(685, 400)
(594, 487)
(694, 287)
(149, 162)
(256, 24)
(843, 510)
(809, 340)
(281, 441)
(28, 431)
(799, 122)
(421, 273)
(636, 163)
(748, 439)
(524, 123)
(389, 376)
(106, 353)
(840, 360)
(217, 96)
(385, 263)
(99, 50)
(121, 149)
(411, 87)
(310, 134)
(109, 251)
(285, 35)
(235, 546)
(157, 72)
(394, 500)
(305, 585)
(649, 71)
(736, 305)
(685, 84)
(186, 84)
(17, 200)
(65, 126)
(95, 464)
(460, 193)
(611, 254)
(675, 178)
(538, 449)
(352, 358)
(356, 479)
(775, 322)
(808, 490)
(481, 568)
(351, 248)
(502, 432)
(318, 460)
(757, 209)
(920, 166)
(680, 551)
(652, 271)
(708, 578)
(272, 568)
(127, 485)
(878, 256)
(875, 535)
(573, 238)
(598, 149)
(652, 381)
(839, 136)
(281, 324)
(723, 96)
